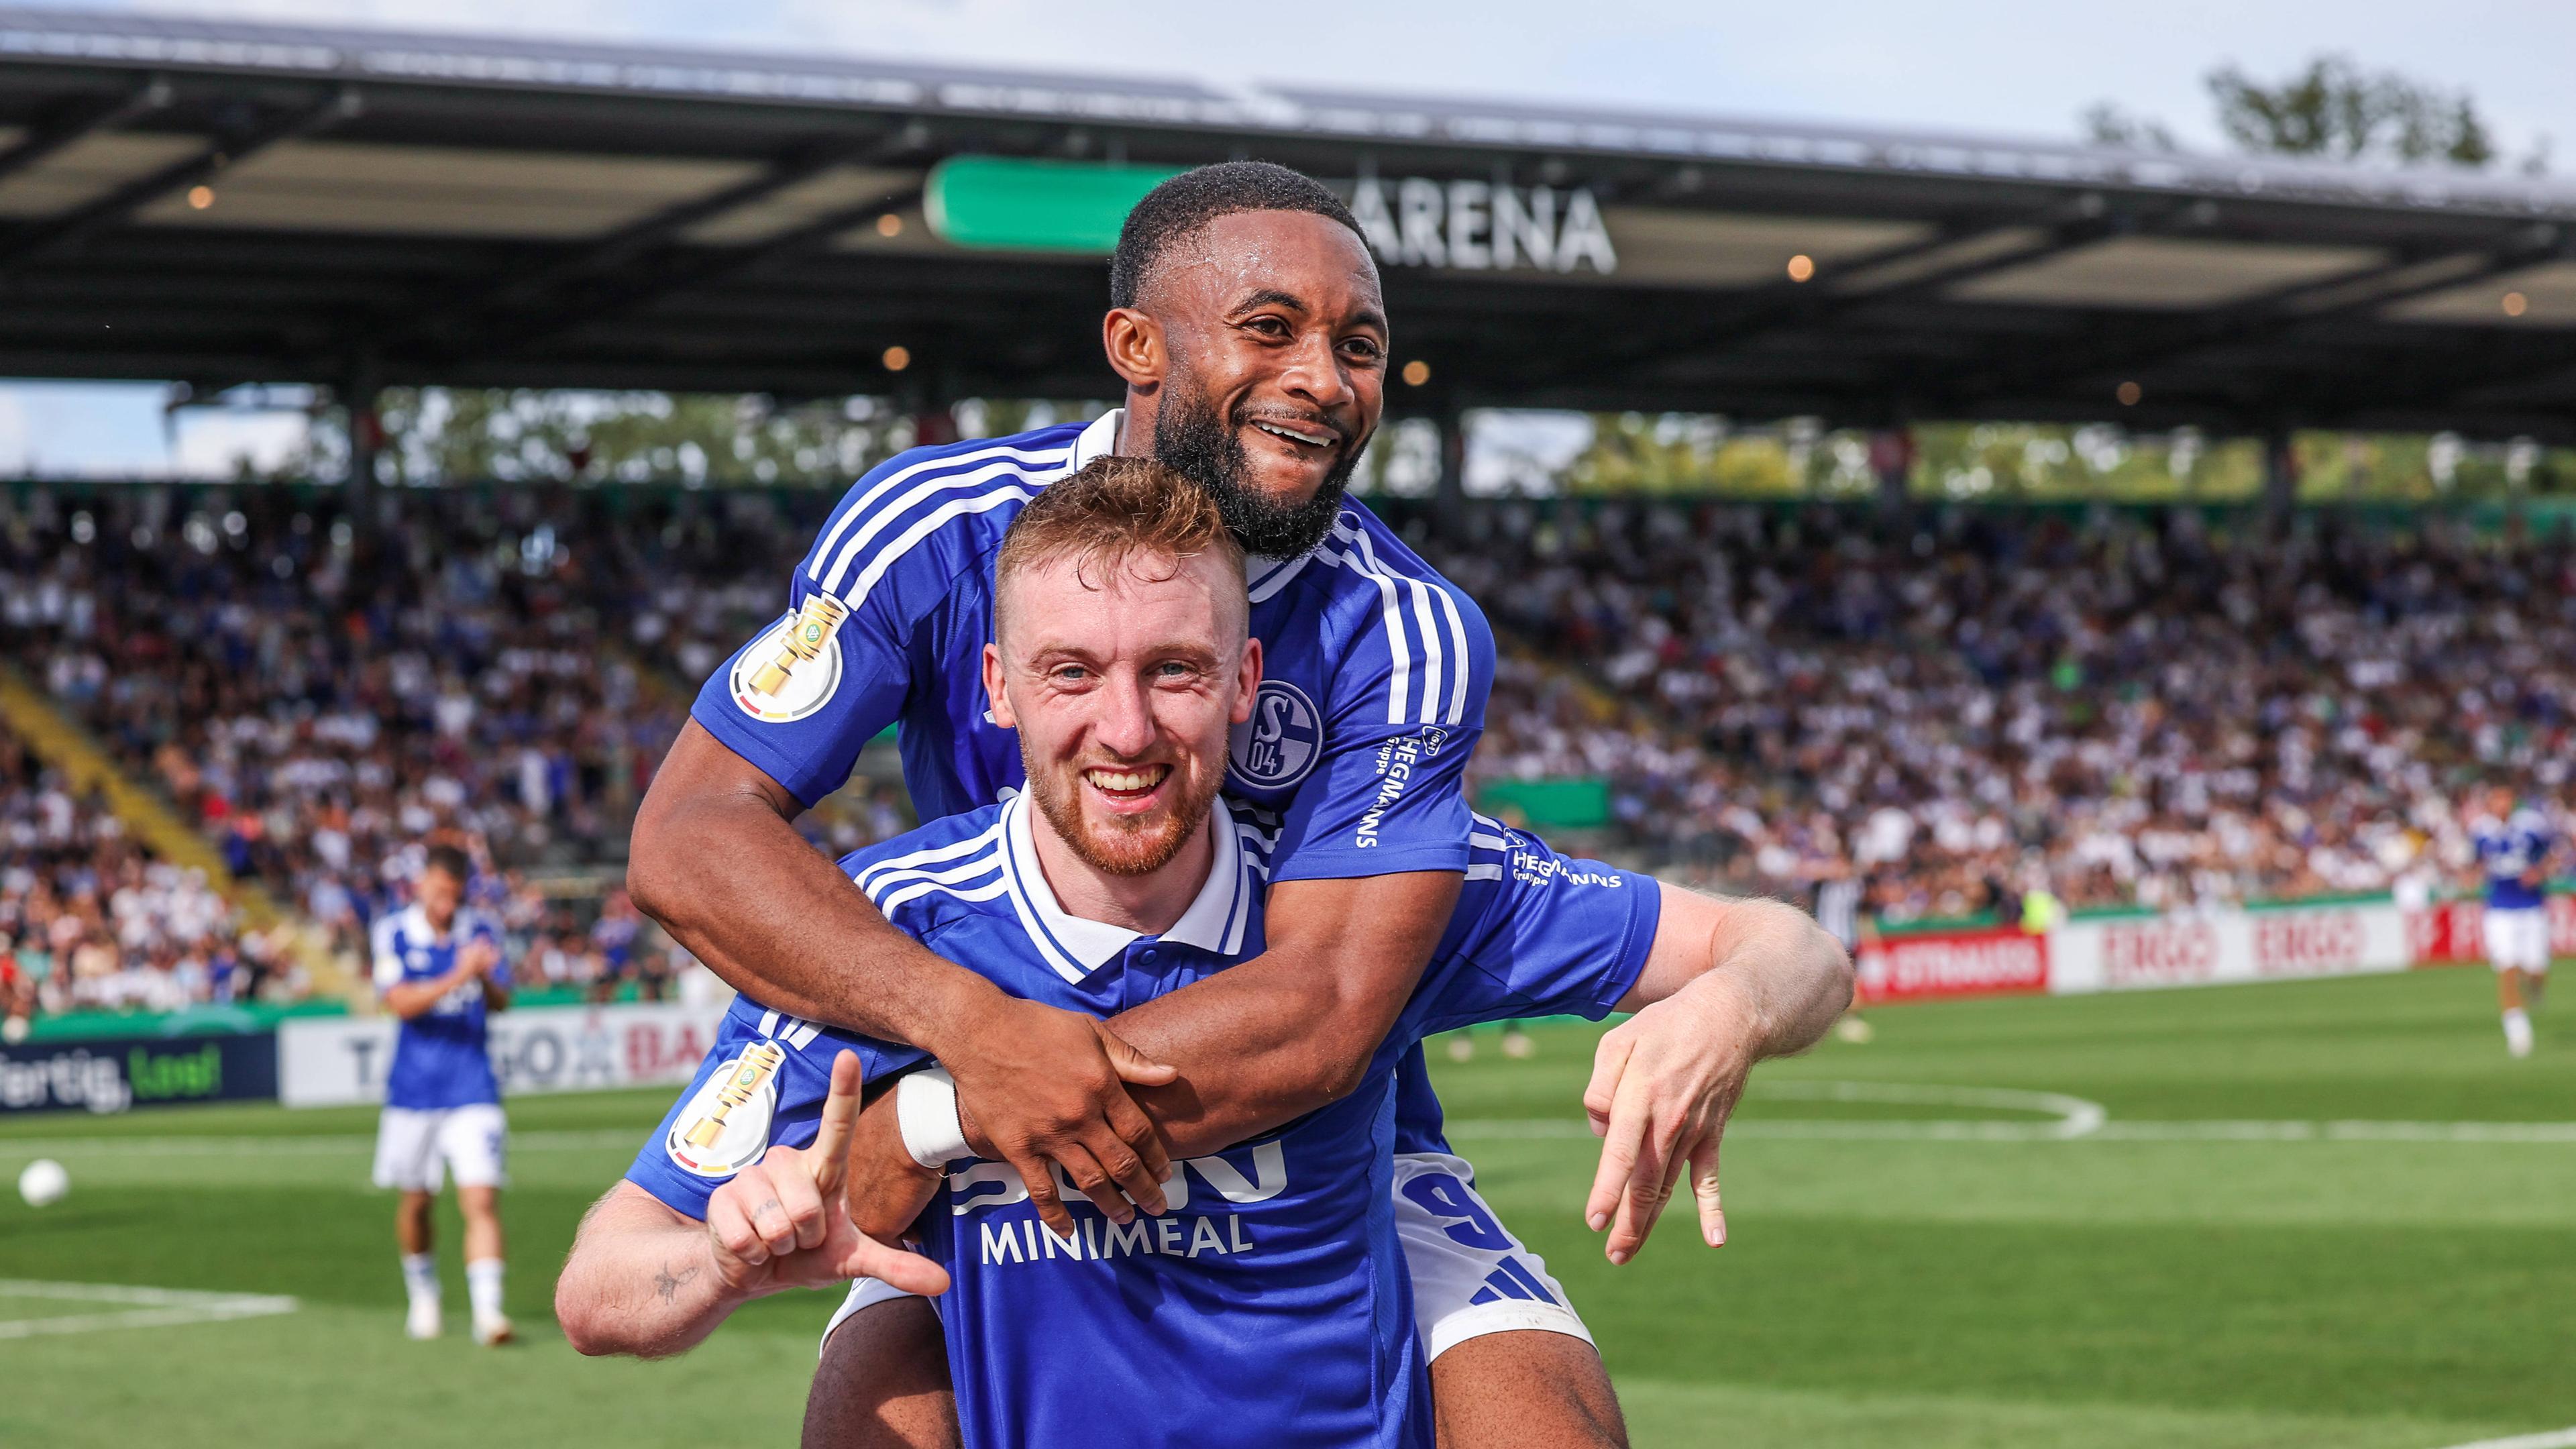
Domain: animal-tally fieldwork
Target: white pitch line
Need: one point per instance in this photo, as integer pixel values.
(2549, 1439)
(2068, 1119)
(148, 1307)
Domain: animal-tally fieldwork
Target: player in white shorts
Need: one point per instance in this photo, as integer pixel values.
(439, 966)
(2514, 847)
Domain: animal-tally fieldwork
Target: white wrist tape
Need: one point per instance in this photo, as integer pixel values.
(925, 1108)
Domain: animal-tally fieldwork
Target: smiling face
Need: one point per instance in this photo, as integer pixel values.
(1123, 680)
(1256, 356)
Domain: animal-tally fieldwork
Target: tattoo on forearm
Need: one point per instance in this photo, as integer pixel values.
(668, 1284)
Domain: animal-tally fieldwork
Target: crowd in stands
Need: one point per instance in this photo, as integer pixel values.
(1965, 706)
(89, 918)
(1956, 707)
(320, 692)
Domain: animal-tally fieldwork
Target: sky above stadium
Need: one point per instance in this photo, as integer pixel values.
(2014, 67)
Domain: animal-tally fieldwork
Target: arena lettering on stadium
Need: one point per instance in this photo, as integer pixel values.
(1480, 226)
(1952, 963)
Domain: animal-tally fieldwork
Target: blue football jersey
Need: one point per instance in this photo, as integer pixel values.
(441, 1057)
(1270, 1306)
(1375, 669)
(2506, 849)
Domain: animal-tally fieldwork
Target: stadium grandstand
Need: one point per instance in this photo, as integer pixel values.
(2132, 708)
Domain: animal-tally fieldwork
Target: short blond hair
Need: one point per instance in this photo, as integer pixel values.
(1109, 512)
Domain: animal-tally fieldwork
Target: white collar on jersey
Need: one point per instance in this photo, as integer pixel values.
(1099, 440)
(1213, 922)
(415, 923)
(1268, 575)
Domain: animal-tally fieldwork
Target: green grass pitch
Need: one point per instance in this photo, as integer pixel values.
(2165, 1280)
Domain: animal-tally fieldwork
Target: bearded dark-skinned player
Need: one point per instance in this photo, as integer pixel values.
(1248, 325)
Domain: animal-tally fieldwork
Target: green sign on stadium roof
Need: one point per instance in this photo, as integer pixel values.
(1004, 203)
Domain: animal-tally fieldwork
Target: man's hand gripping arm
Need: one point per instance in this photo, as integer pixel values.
(1294, 1028)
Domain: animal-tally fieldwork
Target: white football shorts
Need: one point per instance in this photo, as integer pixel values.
(416, 1148)
(1471, 1277)
(2518, 940)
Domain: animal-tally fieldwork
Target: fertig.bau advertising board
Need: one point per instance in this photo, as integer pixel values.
(117, 1074)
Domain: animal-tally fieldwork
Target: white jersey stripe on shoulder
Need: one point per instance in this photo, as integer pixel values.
(895, 901)
(888, 557)
(833, 576)
(1489, 842)
(858, 509)
(1466, 658)
(950, 851)
(769, 1023)
(1431, 660)
(1484, 872)
(1431, 641)
(1400, 687)
(976, 868)
(1481, 818)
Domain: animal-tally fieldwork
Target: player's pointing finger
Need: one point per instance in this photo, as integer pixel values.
(831, 1151)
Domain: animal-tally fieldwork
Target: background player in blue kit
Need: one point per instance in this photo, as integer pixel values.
(1118, 886)
(2514, 845)
(439, 966)
(1249, 328)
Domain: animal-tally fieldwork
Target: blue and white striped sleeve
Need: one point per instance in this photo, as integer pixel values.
(1402, 717)
(761, 1086)
(803, 698)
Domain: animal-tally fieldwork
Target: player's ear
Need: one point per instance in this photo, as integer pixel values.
(1135, 345)
(993, 692)
(1247, 681)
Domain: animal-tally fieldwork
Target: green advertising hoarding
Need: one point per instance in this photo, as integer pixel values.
(1580, 803)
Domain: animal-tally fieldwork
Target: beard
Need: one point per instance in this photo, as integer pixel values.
(1193, 441)
(1122, 845)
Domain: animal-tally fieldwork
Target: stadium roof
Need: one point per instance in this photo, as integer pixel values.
(220, 202)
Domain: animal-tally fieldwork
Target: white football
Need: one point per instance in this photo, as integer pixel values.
(44, 1182)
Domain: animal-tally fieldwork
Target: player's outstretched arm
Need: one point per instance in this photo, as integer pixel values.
(1729, 983)
(646, 1279)
(716, 860)
(641, 1279)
